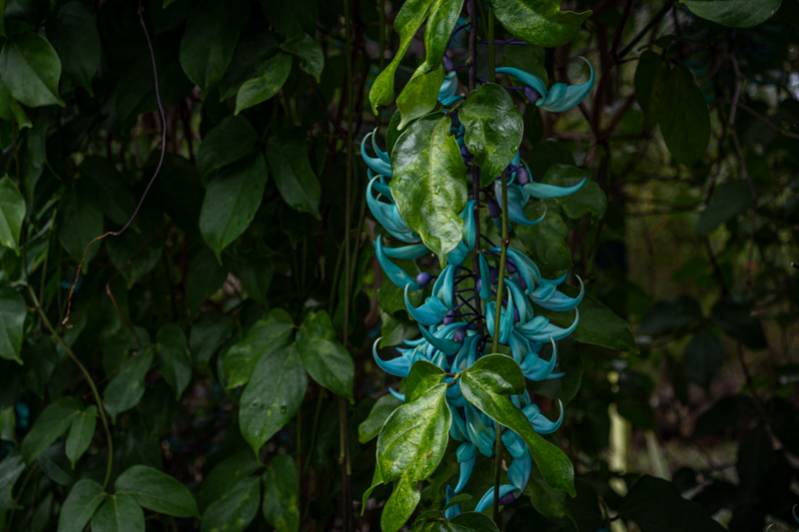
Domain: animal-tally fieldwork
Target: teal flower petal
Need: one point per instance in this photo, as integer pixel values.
(396, 275)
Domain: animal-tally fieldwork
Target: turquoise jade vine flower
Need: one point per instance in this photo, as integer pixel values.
(449, 333)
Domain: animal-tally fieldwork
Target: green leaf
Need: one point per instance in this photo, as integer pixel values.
(274, 393)
(590, 199)
(11, 467)
(126, 388)
(734, 13)
(12, 213)
(295, 179)
(274, 73)
(156, 491)
(81, 222)
(400, 505)
(308, 51)
(429, 183)
(407, 22)
(225, 476)
(681, 111)
(381, 409)
(424, 375)
(205, 277)
(443, 17)
(268, 334)
(174, 357)
(656, 506)
(12, 323)
(134, 254)
(229, 141)
(474, 521)
(231, 201)
(494, 129)
(730, 199)
(549, 502)
(74, 36)
(119, 513)
(51, 424)
(209, 40)
(30, 68)
(414, 437)
(420, 95)
(488, 385)
(113, 194)
(281, 494)
(84, 498)
(326, 360)
(234, 510)
(602, 327)
(539, 22)
(547, 243)
(649, 64)
(80, 434)
(11, 110)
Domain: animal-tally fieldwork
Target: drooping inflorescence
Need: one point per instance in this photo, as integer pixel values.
(456, 307)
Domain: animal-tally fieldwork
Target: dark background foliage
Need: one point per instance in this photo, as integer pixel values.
(137, 391)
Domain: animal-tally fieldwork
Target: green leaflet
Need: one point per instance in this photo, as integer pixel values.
(292, 171)
(408, 21)
(156, 491)
(271, 332)
(325, 359)
(429, 183)
(734, 13)
(12, 323)
(381, 409)
(84, 498)
(12, 213)
(419, 96)
(410, 447)
(51, 424)
(80, 434)
(494, 129)
(281, 494)
(119, 513)
(309, 52)
(235, 508)
(488, 385)
(539, 22)
(31, 69)
(274, 73)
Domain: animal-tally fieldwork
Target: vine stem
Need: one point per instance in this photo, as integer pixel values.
(109, 465)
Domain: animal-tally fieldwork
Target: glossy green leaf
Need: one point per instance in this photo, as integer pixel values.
(547, 501)
(494, 129)
(84, 498)
(119, 513)
(539, 22)
(293, 174)
(30, 68)
(419, 96)
(424, 375)
(370, 427)
(281, 494)
(156, 491)
(231, 201)
(12, 213)
(268, 334)
(308, 51)
(174, 357)
(429, 183)
(327, 361)
(274, 73)
(235, 509)
(273, 395)
(414, 437)
(12, 323)
(488, 385)
(11, 467)
(75, 37)
(127, 387)
(734, 13)
(729, 199)
(223, 478)
(400, 505)
(602, 327)
(210, 38)
(407, 22)
(52, 423)
(10, 109)
(80, 434)
(546, 242)
(681, 111)
(438, 30)
(229, 141)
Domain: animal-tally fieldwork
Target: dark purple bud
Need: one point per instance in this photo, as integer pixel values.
(458, 335)
(448, 64)
(493, 209)
(515, 314)
(423, 278)
(521, 176)
(510, 266)
(478, 285)
(450, 317)
(509, 498)
(465, 153)
(494, 274)
(532, 95)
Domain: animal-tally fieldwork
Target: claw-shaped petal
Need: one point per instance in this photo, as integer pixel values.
(396, 275)
(537, 369)
(467, 456)
(539, 329)
(487, 500)
(526, 268)
(519, 471)
(541, 424)
(562, 97)
(431, 312)
(439, 340)
(485, 279)
(448, 92)
(546, 191)
(399, 367)
(555, 300)
(444, 287)
(379, 164)
(388, 216)
(411, 252)
(531, 80)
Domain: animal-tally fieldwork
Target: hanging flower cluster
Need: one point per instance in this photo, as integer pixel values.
(457, 313)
